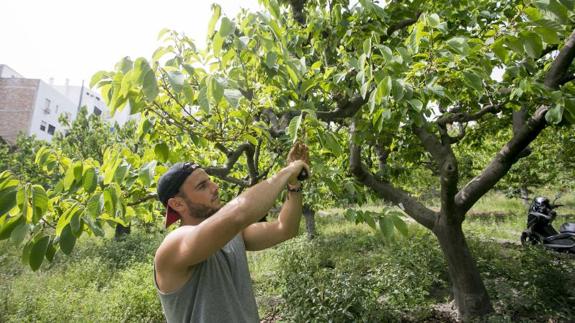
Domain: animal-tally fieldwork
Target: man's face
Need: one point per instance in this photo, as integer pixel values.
(200, 195)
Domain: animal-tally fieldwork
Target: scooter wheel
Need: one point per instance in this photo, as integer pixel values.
(528, 239)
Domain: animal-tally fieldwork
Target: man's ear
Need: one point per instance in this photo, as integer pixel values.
(176, 203)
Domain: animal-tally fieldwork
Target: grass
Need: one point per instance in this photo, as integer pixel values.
(348, 273)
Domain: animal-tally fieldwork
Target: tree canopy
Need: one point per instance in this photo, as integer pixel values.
(390, 97)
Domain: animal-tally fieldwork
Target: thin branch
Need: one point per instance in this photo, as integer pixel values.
(143, 199)
(417, 211)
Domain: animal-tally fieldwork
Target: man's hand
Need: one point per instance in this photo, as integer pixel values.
(298, 152)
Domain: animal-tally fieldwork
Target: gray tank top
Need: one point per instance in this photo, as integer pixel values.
(219, 290)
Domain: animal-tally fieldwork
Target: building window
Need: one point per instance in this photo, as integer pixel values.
(47, 106)
(43, 125)
(97, 111)
(51, 129)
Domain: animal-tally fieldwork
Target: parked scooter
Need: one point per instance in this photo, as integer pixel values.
(541, 231)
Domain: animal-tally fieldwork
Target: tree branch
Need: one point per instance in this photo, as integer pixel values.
(447, 165)
(402, 24)
(143, 199)
(560, 66)
(343, 110)
(502, 162)
(233, 156)
(417, 211)
(456, 116)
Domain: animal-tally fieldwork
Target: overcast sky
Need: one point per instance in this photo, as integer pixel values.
(67, 39)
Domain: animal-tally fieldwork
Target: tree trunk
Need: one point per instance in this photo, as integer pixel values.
(121, 231)
(309, 215)
(469, 292)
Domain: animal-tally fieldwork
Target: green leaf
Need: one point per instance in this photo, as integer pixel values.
(217, 44)
(94, 206)
(76, 224)
(367, 47)
(216, 90)
(554, 115)
(400, 225)
(271, 59)
(146, 173)
(121, 172)
(369, 220)
(19, 233)
(51, 251)
(332, 144)
(203, 99)
(233, 97)
(93, 225)
(78, 170)
(383, 89)
(548, 35)
(150, 86)
(397, 90)
(67, 240)
(385, 52)
(459, 45)
(226, 27)
(97, 78)
(8, 191)
(386, 226)
(90, 180)
(293, 127)
(364, 89)
(39, 202)
(69, 178)
(65, 217)
(473, 80)
(26, 252)
(416, 104)
(9, 226)
(144, 76)
(162, 151)
(216, 11)
(499, 49)
(38, 252)
(162, 33)
(433, 20)
(532, 44)
(177, 80)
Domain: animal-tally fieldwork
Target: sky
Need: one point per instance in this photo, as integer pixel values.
(66, 39)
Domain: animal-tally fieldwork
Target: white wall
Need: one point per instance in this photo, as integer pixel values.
(7, 72)
(92, 100)
(58, 104)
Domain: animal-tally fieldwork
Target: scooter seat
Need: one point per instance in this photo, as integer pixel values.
(567, 228)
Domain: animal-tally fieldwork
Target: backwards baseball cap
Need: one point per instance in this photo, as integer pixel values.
(169, 185)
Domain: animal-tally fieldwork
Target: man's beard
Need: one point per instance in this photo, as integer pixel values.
(200, 211)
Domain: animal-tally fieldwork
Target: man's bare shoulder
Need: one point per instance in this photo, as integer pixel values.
(172, 241)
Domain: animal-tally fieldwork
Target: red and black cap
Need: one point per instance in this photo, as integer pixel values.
(169, 185)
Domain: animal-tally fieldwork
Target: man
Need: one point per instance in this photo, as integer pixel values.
(201, 269)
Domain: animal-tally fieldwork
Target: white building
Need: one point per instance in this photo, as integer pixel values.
(33, 107)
